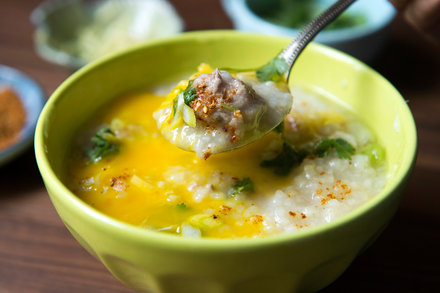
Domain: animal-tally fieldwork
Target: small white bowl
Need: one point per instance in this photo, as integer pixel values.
(74, 32)
(361, 41)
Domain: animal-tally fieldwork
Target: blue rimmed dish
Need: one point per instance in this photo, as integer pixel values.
(33, 100)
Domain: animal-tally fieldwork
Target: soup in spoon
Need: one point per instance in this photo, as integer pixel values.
(216, 111)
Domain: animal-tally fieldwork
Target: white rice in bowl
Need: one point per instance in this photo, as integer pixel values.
(153, 184)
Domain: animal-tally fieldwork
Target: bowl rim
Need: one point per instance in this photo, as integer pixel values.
(238, 9)
(149, 238)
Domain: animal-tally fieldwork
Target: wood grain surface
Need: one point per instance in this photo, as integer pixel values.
(37, 253)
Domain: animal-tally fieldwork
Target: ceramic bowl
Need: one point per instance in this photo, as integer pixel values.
(150, 261)
(32, 98)
(72, 33)
(363, 41)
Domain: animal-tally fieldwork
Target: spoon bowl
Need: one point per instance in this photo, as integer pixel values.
(224, 121)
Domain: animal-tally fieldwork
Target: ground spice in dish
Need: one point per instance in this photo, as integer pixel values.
(256, 219)
(12, 117)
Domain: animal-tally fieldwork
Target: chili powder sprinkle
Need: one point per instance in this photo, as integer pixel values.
(12, 117)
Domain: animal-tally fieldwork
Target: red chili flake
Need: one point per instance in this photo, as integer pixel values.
(224, 209)
(206, 155)
(118, 184)
(256, 219)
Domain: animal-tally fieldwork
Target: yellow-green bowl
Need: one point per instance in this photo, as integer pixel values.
(153, 262)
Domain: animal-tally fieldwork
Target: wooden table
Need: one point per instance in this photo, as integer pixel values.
(37, 253)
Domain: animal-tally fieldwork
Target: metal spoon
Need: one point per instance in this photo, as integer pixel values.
(291, 53)
(294, 49)
(272, 117)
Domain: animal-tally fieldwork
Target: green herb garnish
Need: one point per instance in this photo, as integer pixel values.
(102, 147)
(342, 147)
(273, 71)
(181, 206)
(229, 107)
(289, 157)
(175, 105)
(285, 160)
(242, 185)
(375, 153)
(279, 128)
(190, 93)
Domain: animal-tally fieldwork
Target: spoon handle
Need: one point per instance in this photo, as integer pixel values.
(294, 49)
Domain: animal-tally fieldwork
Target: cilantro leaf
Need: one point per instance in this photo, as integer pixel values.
(273, 71)
(342, 147)
(242, 185)
(190, 93)
(289, 157)
(181, 205)
(285, 160)
(101, 145)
